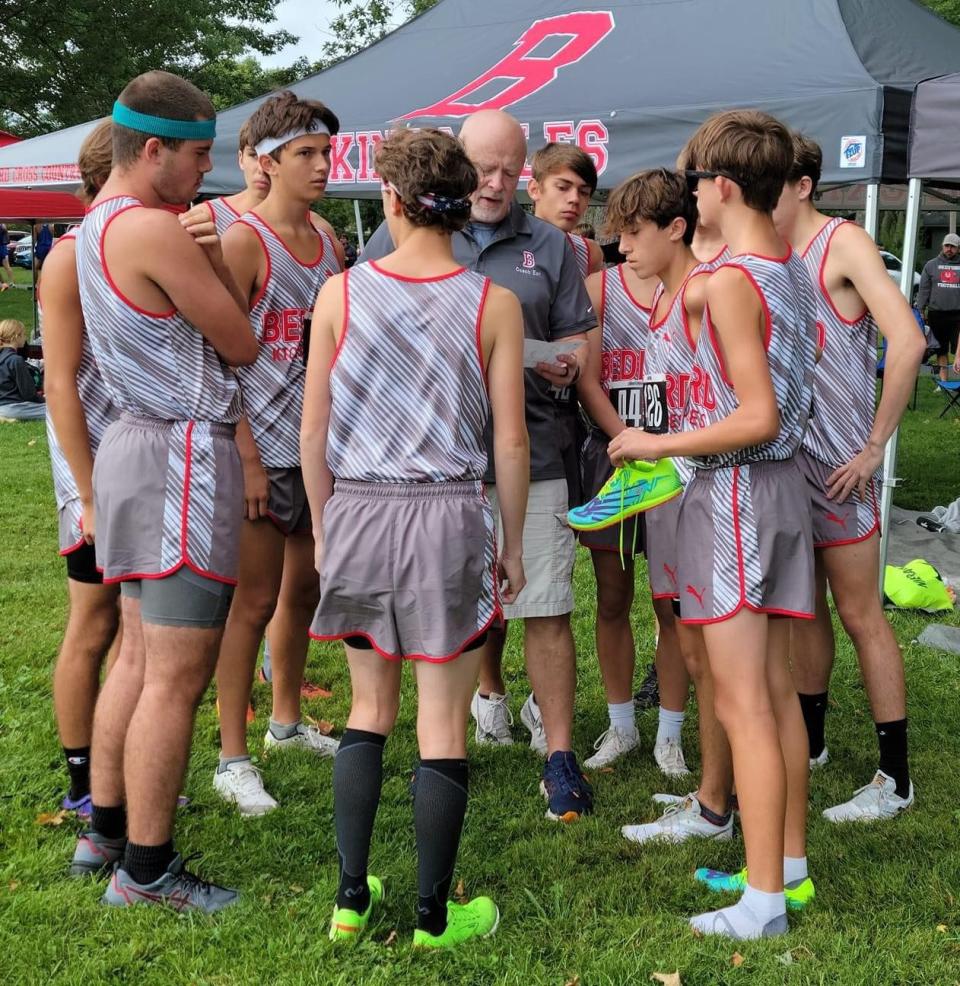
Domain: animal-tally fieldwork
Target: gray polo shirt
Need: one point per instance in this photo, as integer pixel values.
(536, 262)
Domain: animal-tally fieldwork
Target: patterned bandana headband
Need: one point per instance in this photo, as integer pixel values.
(269, 144)
(161, 126)
(443, 205)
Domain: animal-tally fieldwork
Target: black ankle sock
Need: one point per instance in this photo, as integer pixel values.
(439, 804)
(712, 817)
(78, 766)
(814, 709)
(147, 863)
(892, 737)
(110, 822)
(357, 779)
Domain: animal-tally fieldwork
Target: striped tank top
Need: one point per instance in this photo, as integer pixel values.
(154, 364)
(845, 381)
(273, 385)
(625, 327)
(791, 337)
(718, 261)
(98, 410)
(581, 250)
(408, 390)
(223, 214)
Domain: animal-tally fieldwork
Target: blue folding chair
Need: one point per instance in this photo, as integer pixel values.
(952, 389)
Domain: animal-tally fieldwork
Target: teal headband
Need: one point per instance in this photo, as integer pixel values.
(160, 126)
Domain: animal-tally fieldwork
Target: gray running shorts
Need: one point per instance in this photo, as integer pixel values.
(183, 599)
(287, 505)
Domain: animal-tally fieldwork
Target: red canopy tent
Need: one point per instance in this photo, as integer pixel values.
(29, 206)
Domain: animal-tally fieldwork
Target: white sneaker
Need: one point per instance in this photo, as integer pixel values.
(677, 824)
(668, 799)
(612, 745)
(242, 785)
(493, 718)
(305, 738)
(821, 760)
(876, 801)
(669, 757)
(530, 717)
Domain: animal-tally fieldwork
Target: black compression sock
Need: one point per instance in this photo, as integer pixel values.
(439, 806)
(145, 864)
(110, 821)
(78, 766)
(357, 779)
(892, 737)
(814, 709)
(712, 817)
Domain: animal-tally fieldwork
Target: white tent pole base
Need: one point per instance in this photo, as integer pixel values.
(356, 215)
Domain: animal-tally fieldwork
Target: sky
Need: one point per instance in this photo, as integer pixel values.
(310, 21)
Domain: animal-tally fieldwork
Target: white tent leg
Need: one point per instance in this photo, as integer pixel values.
(871, 218)
(890, 479)
(356, 215)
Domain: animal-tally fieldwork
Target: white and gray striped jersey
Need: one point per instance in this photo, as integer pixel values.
(625, 325)
(223, 214)
(845, 382)
(98, 412)
(154, 364)
(581, 250)
(790, 340)
(408, 389)
(273, 385)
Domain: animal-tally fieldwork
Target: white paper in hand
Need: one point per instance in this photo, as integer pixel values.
(535, 351)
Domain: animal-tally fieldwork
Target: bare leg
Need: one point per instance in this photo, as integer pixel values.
(115, 706)
(737, 649)
(91, 627)
(812, 645)
(179, 664)
(443, 703)
(672, 674)
(491, 662)
(261, 565)
(375, 687)
(551, 668)
(299, 595)
(615, 646)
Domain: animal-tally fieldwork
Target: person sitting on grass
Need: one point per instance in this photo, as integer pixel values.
(19, 400)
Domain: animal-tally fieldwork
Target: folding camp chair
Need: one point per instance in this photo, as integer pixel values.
(952, 389)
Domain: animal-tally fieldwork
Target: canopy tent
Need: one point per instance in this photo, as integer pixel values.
(25, 205)
(627, 81)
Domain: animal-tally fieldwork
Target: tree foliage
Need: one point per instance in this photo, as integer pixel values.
(362, 22)
(63, 63)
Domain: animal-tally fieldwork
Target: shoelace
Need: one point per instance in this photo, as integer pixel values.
(678, 808)
(568, 780)
(193, 882)
(613, 733)
(250, 780)
(628, 469)
(500, 718)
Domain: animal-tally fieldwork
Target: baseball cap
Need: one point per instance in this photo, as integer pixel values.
(951, 239)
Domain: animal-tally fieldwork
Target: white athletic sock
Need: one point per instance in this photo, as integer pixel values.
(669, 725)
(283, 730)
(750, 917)
(225, 762)
(622, 716)
(794, 870)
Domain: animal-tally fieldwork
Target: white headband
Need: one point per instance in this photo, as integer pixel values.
(270, 144)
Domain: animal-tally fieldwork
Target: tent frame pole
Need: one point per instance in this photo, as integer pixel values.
(356, 215)
(890, 479)
(871, 217)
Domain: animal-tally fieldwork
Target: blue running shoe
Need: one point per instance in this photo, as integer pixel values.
(83, 807)
(568, 793)
(633, 488)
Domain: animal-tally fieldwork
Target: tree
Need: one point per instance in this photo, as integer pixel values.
(362, 22)
(63, 63)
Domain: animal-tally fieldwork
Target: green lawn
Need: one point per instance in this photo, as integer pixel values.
(579, 904)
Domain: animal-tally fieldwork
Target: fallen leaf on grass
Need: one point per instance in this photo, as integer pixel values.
(786, 958)
(606, 770)
(12, 885)
(392, 938)
(573, 982)
(460, 893)
(296, 889)
(795, 955)
(941, 928)
(32, 441)
(667, 978)
(52, 817)
(737, 959)
(326, 728)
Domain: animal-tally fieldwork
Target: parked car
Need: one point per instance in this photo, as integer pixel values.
(22, 255)
(894, 267)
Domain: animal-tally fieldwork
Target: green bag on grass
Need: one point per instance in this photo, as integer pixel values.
(917, 585)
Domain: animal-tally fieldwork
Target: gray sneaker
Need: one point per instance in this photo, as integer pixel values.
(95, 854)
(177, 888)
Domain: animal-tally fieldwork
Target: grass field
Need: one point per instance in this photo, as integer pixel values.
(579, 904)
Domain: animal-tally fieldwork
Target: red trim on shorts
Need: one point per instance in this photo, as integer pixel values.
(293, 256)
(63, 552)
(346, 319)
(630, 295)
(445, 659)
(258, 297)
(665, 595)
(821, 545)
(110, 280)
(762, 610)
(483, 302)
(823, 285)
(415, 280)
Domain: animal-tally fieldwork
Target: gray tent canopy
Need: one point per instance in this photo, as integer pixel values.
(628, 81)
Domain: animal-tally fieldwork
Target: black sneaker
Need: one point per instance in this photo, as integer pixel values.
(648, 695)
(177, 888)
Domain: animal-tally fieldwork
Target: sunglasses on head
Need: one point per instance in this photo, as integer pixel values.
(693, 178)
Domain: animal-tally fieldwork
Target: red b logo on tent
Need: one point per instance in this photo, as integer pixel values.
(522, 73)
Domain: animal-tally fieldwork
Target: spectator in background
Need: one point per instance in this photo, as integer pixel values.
(586, 230)
(6, 276)
(349, 252)
(19, 400)
(43, 241)
(939, 299)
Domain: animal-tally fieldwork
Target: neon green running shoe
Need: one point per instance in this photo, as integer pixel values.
(478, 919)
(797, 897)
(633, 488)
(348, 925)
